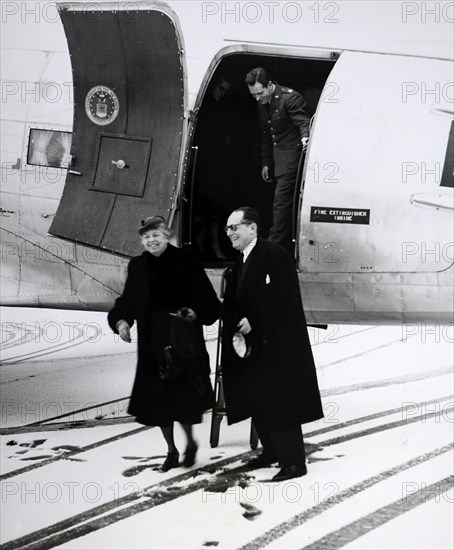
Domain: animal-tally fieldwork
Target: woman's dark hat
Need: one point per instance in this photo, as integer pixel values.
(150, 223)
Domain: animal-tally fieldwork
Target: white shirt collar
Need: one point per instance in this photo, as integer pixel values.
(248, 249)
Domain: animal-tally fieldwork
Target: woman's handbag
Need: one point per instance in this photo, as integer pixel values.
(185, 362)
(170, 367)
(182, 357)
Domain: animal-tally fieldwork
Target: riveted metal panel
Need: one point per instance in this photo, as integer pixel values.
(97, 59)
(372, 201)
(155, 110)
(128, 87)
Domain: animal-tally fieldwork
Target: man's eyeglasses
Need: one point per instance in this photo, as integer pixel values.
(235, 226)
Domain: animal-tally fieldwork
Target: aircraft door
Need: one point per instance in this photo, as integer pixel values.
(128, 123)
(377, 197)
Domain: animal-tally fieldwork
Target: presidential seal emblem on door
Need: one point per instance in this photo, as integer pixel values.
(102, 105)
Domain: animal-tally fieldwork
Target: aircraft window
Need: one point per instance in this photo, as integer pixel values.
(49, 148)
(447, 178)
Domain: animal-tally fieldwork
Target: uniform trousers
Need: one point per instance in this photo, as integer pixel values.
(281, 230)
(287, 446)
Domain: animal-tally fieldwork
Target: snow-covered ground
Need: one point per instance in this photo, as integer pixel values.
(78, 473)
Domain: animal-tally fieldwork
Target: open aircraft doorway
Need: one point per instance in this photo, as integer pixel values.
(225, 170)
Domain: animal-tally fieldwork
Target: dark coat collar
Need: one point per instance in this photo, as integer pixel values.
(168, 253)
(250, 272)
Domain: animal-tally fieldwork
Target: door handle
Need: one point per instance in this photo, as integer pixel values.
(120, 164)
(436, 201)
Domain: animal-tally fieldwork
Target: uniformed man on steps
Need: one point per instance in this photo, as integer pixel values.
(284, 135)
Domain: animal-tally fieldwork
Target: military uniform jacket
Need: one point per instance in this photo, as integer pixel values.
(284, 122)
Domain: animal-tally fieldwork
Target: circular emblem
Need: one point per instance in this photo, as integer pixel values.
(102, 105)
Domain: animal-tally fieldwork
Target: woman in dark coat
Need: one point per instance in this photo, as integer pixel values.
(166, 289)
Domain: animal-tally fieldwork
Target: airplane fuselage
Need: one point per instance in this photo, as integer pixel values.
(374, 209)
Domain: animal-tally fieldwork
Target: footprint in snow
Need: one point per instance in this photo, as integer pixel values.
(250, 512)
(130, 472)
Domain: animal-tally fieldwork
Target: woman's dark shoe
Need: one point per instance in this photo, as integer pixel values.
(172, 461)
(189, 456)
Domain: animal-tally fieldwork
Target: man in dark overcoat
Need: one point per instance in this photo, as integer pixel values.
(272, 377)
(284, 130)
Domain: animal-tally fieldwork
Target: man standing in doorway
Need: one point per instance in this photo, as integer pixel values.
(267, 363)
(213, 138)
(284, 135)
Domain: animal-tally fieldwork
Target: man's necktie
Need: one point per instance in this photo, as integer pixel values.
(240, 265)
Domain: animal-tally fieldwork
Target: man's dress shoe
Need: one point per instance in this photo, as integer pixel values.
(261, 461)
(290, 472)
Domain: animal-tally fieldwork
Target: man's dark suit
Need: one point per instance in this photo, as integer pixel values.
(277, 384)
(284, 122)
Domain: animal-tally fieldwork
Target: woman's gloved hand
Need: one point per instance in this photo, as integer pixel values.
(124, 330)
(187, 313)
